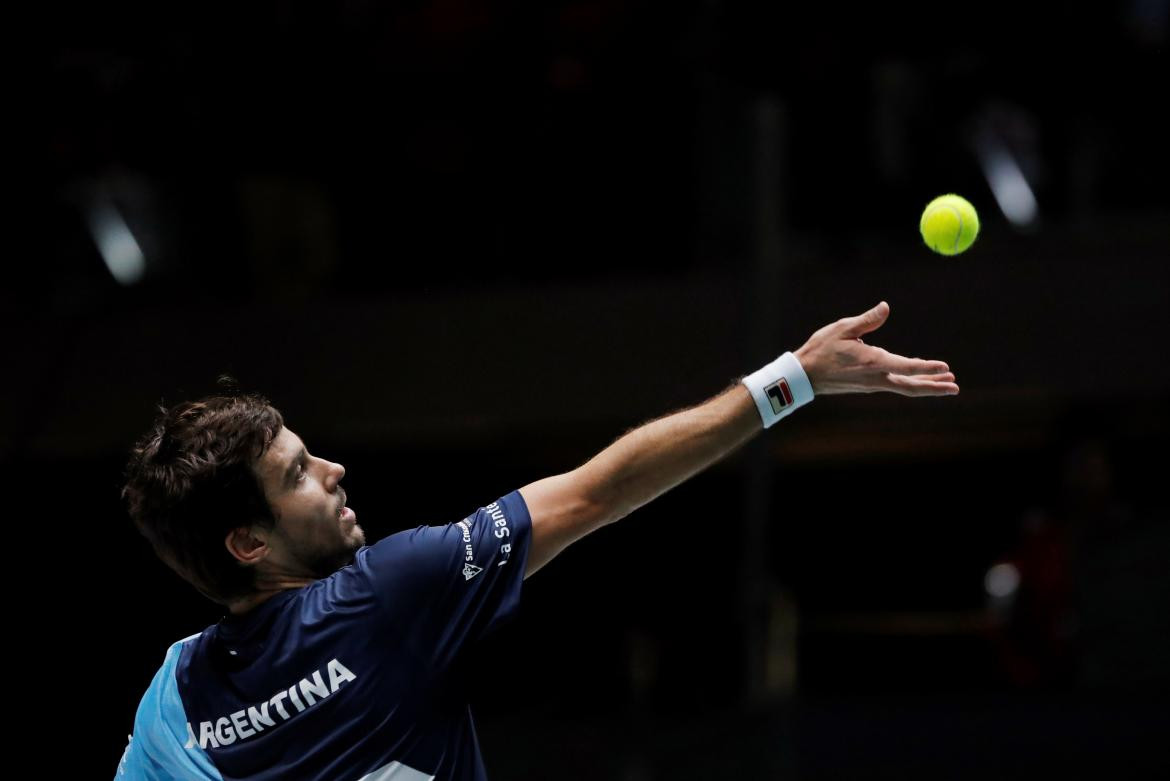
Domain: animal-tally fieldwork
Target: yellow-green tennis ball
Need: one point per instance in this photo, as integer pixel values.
(949, 224)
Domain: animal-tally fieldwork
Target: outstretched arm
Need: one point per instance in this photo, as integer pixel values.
(652, 459)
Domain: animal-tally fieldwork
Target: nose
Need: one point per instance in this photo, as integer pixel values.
(334, 475)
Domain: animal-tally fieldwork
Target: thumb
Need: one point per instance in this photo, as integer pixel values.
(866, 322)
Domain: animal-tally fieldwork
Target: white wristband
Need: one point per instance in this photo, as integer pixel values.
(779, 388)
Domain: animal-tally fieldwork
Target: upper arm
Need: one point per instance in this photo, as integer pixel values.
(562, 512)
(445, 587)
(137, 765)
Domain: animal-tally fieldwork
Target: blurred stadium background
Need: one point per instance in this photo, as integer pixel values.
(464, 244)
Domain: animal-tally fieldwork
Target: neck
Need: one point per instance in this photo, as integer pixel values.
(243, 605)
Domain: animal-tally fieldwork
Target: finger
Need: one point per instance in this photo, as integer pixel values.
(940, 377)
(899, 364)
(930, 385)
(865, 322)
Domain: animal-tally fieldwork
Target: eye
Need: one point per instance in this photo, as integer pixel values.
(301, 474)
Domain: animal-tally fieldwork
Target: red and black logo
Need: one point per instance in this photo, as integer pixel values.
(779, 394)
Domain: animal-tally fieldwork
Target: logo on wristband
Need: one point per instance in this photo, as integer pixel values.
(779, 394)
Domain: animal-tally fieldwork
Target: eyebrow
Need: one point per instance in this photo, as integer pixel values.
(291, 471)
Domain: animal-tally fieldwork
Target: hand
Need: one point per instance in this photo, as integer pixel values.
(837, 361)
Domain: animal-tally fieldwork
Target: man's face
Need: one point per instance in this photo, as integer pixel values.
(315, 533)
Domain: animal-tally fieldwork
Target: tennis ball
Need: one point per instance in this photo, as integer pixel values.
(949, 224)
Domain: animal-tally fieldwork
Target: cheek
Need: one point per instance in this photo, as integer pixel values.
(330, 521)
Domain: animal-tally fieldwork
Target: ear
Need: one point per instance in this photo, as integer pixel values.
(245, 545)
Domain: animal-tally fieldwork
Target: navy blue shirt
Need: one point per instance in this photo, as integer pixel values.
(347, 678)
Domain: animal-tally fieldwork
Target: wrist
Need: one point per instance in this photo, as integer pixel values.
(779, 388)
(805, 356)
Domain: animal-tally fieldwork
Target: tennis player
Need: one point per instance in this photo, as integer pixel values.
(336, 659)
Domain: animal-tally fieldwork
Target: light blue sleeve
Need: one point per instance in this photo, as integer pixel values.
(158, 750)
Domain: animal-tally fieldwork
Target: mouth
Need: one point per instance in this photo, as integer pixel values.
(343, 512)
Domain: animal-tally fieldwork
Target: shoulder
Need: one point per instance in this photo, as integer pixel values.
(159, 740)
(162, 693)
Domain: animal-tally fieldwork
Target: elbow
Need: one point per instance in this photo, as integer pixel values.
(594, 512)
(605, 498)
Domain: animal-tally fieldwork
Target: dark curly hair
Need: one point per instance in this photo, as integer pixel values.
(191, 479)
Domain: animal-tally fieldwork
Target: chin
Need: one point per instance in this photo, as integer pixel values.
(357, 538)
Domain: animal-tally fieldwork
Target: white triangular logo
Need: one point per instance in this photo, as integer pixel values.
(470, 571)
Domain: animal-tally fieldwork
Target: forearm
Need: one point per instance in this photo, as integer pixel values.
(653, 458)
(639, 466)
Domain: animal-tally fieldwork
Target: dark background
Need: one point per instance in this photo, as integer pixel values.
(463, 245)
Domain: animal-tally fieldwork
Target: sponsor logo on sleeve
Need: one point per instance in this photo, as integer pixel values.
(499, 528)
(468, 551)
(502, 531)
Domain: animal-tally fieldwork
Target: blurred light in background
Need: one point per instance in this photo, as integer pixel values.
(1002, 580)
(1007, 182)
(115, 242)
